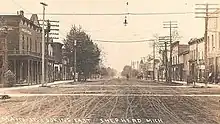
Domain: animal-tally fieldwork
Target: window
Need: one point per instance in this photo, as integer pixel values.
(30, 44)
(35, 45)
(176, 59)
(202, 55)
(40, 47)
(194, 56)
(22, 41)
(27, 44)
(212, 41)
(208, 43)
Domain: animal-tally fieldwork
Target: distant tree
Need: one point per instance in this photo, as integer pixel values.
(134, 73)
(108, 72)
(87, 52)
(126, 70)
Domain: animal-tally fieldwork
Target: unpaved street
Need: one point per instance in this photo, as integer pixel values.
(113, 101)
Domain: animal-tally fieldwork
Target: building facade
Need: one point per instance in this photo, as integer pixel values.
(183, 61)
(213, 43)
(24, 49)
(196, 61)
(177, 66)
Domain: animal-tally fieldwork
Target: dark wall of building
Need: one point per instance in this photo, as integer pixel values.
(57, 52)
(13, 40)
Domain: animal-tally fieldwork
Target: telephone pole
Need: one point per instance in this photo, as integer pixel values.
(75, 43)
(165, 40)
(43, 43)
(49, 37)
(154, 60)
(170, 25)
(204, 10)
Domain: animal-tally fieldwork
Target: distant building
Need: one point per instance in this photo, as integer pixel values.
(177, 66)
(196, 57)
(184, 62)
(58, 60)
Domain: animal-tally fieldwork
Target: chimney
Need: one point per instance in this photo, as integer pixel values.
(21, 12)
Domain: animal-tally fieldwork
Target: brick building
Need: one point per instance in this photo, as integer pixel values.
(196, 60)
(24, 48)
(177, 65)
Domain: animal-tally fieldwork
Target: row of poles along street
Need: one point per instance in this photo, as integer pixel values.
(203, 10)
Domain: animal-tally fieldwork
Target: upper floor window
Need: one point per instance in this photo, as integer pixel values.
(176, 59)
(194, 54)
(22, 41)
(40, 47)
(213, 41)
(27, 44)
(202, 55)
(30, 43)
(35, 45)
(208, 40)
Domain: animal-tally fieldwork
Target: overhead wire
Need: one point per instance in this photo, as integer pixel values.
(111, 14)
(21, 6)
(125, 41)
(114, 14)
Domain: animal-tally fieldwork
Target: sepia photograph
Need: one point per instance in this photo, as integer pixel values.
(110, 62)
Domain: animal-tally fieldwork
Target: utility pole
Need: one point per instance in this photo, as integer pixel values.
(166, 61)
(43, 43)
(75, 60)
(164, 40)
(47, 52)
(153, 60)
(204, 10)
(50, 37)
(170, 25)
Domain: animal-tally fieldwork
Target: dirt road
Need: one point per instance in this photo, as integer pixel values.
(113, 102)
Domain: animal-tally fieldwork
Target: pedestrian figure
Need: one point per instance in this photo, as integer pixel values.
(210, 77)
(218, 78)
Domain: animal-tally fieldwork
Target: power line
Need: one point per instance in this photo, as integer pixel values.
(21, 6)
(109, 14)
(112, 14)
(131, 41)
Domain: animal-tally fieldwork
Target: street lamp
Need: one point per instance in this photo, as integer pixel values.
(43, 43)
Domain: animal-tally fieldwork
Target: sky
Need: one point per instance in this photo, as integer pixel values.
(112, 28)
